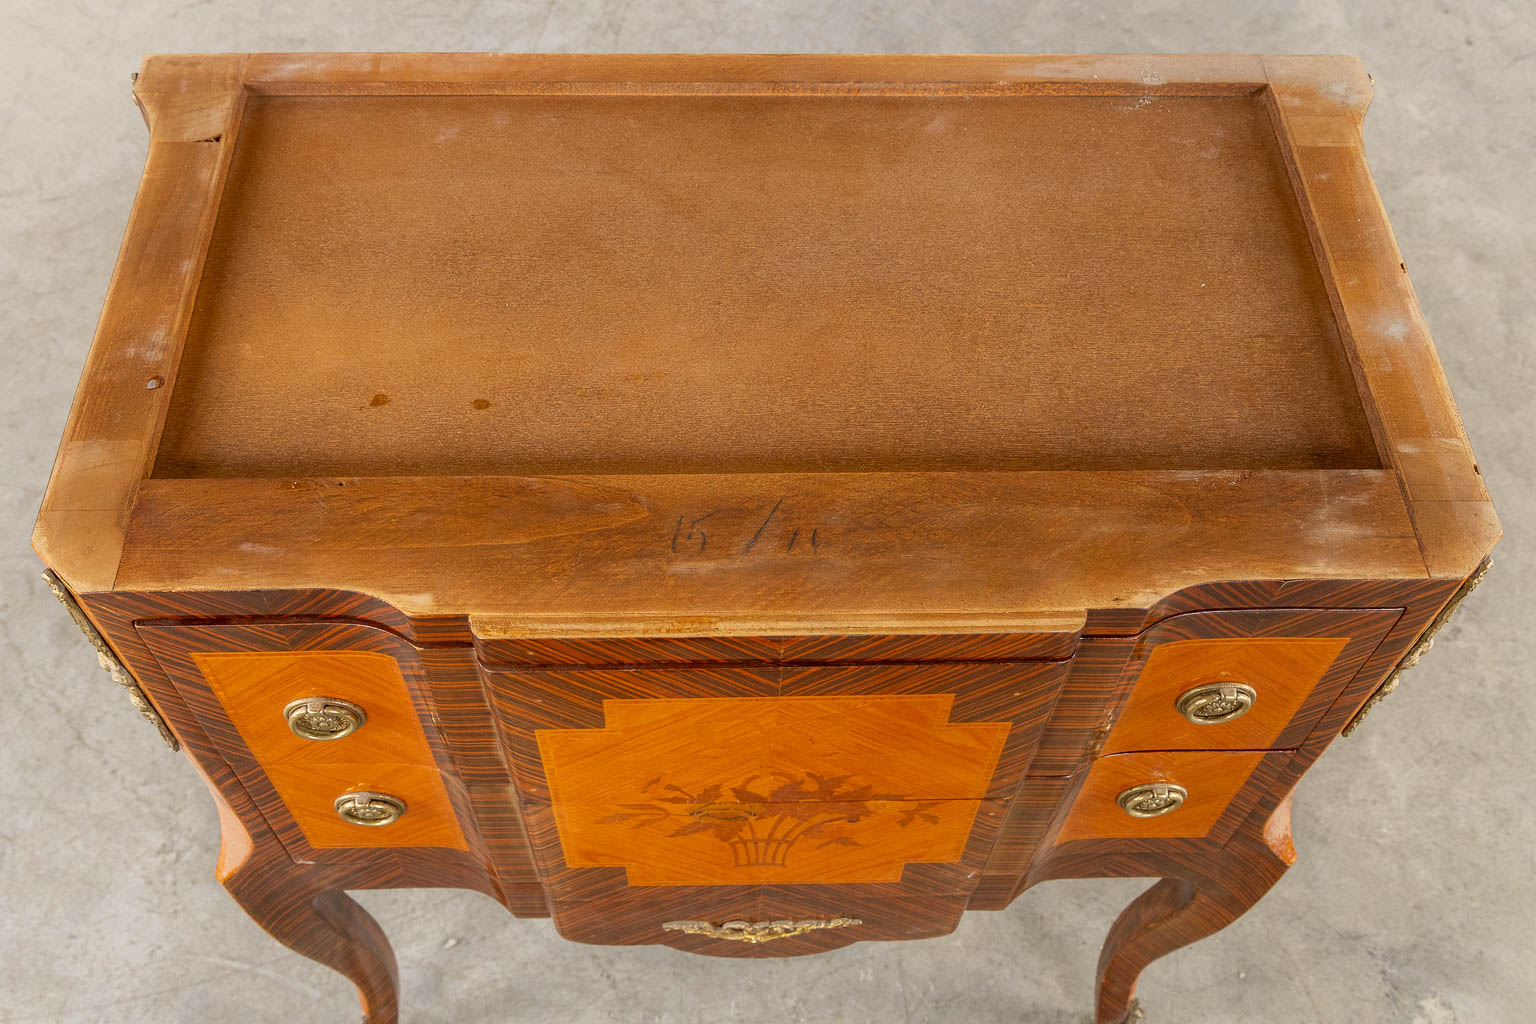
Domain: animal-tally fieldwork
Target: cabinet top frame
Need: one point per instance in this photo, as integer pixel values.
(1148, 465)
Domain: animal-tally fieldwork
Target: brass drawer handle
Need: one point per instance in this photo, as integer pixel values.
(757, 931)
(323, 718)
(1152, 799)
(1214, 703)
(371, 810)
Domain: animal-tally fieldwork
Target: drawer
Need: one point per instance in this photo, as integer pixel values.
(250, 686)
(583, 853)
(604, 900)
(705, 650)
(258, 689)
(257, 673)
(635, 917)
(310, 793)
(1158, 794)
(879, 787)
(595, 737)
(1250, 680)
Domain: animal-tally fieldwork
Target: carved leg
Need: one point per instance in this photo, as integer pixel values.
(323, 924)
(1178, 911)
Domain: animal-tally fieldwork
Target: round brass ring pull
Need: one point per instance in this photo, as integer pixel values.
(323, 718)
(371, 810)
(1152, 799)
(1214, 703)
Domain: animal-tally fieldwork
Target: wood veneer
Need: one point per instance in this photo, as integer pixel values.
(1282, 670)
(723, 791)
(566, 385)
(309, 791)
(1212, 777)
(769, 319)
(250, 684)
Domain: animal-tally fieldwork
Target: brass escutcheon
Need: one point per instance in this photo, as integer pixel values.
(1422, 646)
(108, 659)
(371, 810)
(1213, 703)
(323, 718)
(757, 931)
(1152, 799)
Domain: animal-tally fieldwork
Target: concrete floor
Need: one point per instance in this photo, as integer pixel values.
(1414, 896)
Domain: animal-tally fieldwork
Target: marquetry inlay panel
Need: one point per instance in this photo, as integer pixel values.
(788, 790)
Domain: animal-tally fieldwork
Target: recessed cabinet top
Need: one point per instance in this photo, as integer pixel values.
(638, 345)
(601, 284)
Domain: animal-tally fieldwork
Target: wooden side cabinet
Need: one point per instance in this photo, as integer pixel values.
(757, 504)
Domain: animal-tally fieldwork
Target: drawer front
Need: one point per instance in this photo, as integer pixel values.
(584, 854)
(1251, 680)
(1205, 784)
(310, 793)
(255, 688)
(878, 782)
(239, 680)
(708, 650)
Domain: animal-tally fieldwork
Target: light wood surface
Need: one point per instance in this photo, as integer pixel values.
(114, 425)
(255, 687)
(1028, 404)
(670, 778)
(1282, 671)
(1379, 314)
(895, 552)
(553, 285)
(1212, 779)
(776, 789)
(390, 753)
(309, 792)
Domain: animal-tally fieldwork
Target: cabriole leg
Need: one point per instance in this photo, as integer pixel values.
(1178, 911)
(325, 925)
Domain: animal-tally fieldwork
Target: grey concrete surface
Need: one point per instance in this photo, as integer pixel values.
(1415, 893)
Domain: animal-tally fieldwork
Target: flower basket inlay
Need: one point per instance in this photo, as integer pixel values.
(730, 791)
(761, 825)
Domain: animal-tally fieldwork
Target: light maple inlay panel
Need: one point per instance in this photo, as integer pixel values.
(389, 754)
(1281, 670)
(310, 791)
(786, 789)
(1212, 778)
(255, 686)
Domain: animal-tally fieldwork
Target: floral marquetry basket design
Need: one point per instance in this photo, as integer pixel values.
(788, 790)
(762, 825)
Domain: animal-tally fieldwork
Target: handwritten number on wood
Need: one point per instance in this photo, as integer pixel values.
(690, 529)
(694, 530)
(753, 542)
